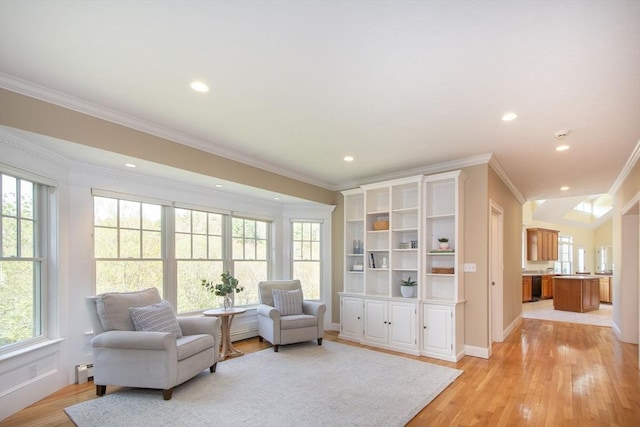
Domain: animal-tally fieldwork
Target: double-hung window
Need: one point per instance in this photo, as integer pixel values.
(306, 259)
(23, 256)
(565, 255)
(199, 252)
(249, 256)
(128, 245)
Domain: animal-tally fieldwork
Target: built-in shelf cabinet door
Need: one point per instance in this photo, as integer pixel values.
(351, 318)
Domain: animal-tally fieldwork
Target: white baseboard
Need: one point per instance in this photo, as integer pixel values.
(472, 350)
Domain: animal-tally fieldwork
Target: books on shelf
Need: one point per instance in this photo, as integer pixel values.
(442, 251)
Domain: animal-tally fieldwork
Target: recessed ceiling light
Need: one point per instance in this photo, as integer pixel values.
(130, 165)
(276, 198)
(564, 188)
(348, 158)
(199, 87)
(509, 116)
(218, 185)
(562, 147)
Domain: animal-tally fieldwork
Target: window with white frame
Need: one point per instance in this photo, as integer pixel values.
(199, 252)
(565, 255)
(306, 256)
(24, 236)
(128, 245)
(249, 256)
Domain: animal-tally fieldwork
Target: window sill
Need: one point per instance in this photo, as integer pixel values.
(29, 348)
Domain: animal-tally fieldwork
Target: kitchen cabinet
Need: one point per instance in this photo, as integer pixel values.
(527, 283)
(576, 293)
(542, 244)
(547, 287)
(605, 290)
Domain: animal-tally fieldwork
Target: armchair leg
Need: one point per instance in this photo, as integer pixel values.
(101, 390)
(276, 348)
(213, 367)
(319, 341)
(166, 394)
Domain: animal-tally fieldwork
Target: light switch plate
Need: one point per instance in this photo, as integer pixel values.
(470, 267)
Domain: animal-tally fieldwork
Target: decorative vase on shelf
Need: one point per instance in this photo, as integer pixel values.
(444, 245)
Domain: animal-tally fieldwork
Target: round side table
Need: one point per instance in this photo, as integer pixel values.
(226, 316)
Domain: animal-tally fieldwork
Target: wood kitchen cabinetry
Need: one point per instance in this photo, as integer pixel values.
(577, 293)
(547, 287)
(527, 283)
(605, 290)
(542, 244)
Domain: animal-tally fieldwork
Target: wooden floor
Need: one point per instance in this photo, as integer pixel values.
(544, 374)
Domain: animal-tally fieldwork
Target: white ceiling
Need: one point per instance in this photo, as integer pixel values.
(296, 86)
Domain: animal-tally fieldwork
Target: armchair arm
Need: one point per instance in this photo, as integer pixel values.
(139, 340)
(314, 308)
(268, 311)
(199, 325)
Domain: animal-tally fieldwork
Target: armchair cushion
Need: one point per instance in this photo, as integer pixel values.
(155, 317)
(288, 303)
(113, 308)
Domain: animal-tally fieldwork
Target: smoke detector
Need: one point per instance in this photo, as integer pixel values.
(562, 134)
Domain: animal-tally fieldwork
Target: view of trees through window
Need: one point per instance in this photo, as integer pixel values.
(199, 255)
(127, 245)
(250, 257)
(306, 257)
(20, 261)
(130, 254)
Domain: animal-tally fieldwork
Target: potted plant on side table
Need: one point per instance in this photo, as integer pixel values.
(407, 287)
(225, 289)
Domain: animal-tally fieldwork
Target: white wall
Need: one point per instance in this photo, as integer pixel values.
(74, 267)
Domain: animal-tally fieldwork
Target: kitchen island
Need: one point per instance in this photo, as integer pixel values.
(576, 293)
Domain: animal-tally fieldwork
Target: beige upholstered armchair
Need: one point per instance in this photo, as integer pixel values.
(284, 317)
(139, 342)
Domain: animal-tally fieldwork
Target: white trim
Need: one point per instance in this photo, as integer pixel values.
(633, 158)
(21, 173)
(472, 350)
(130, 197)
(201, 208)
(497, 167)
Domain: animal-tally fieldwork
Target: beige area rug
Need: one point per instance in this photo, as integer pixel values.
(301, 385)
(543, 310)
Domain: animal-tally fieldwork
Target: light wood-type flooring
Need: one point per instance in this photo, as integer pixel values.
(544, 374)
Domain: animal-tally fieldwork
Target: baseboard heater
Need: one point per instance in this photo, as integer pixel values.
(84, 373)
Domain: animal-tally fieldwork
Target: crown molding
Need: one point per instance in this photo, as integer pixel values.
(497, 167)
(422, 170)
(42, 93)
(631, 162)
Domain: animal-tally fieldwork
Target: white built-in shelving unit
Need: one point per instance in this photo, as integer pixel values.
(391, 234)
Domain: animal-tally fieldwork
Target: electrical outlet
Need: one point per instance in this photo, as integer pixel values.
(470, 267)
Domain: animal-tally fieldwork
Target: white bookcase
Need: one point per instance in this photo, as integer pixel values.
(442, 292)
(399, 223)
(354, 262)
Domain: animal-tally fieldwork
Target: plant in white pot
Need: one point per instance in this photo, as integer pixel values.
(407, 287)
(444, 243)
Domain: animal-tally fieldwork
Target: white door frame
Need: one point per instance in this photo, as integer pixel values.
(496, 273)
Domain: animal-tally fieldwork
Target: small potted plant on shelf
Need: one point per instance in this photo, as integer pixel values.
(444, 243)
(225, 289)
(407, 287)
